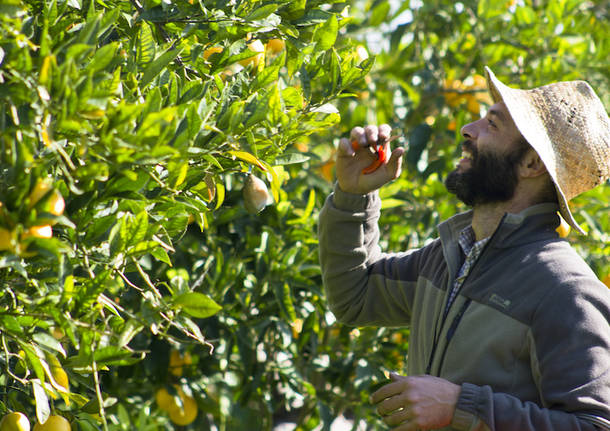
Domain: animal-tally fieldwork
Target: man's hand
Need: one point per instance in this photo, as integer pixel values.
(350, 163)
(417, 403)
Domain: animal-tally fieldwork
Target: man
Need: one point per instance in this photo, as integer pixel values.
(509, 326)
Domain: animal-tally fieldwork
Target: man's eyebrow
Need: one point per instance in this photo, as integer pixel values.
(498, 114)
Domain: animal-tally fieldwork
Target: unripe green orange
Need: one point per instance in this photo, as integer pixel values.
(256, 195)
(15, 421)
(54, 423)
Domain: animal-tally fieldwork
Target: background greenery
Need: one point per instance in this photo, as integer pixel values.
(148, 135)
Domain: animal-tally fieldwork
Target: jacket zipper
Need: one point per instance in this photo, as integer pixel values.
(458, 317)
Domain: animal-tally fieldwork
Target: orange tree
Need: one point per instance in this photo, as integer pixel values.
(128, 131)
(148, 279)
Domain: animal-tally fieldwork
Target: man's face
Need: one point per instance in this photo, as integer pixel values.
(487, 172)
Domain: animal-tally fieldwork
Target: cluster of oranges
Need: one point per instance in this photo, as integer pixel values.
(45, 199)
(17, 421)
(180, 406)
(472, 92)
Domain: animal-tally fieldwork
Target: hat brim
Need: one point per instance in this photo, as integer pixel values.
(524, 113)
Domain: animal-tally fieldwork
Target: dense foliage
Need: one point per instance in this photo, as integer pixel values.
(142, 288)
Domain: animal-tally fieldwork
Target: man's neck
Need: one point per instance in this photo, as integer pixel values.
(487, 217)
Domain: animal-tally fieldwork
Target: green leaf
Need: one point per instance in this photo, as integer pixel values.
(283, 296)
(290, 159)
(146, 46)
(326, 33)
(157, 65)
(47, 340)
(266, 77)
(379, 13)
(196, 304)
(103, 57)
(114, 355)
(261, 12)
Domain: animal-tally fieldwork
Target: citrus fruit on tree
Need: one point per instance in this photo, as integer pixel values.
(54, 423)
(275, 46)
(211, 50)
(563, 229)
(256, 195)
(42, 187)
(6, 239)
(187, 413)
(56, 204)
(15, 421)
(44, 231)
(259, 49)
(177, 361)
(180, 415)
(164, 400)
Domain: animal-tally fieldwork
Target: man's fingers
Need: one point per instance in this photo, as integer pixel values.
(386, 391)
(389, 405)
(397, 418)
(345, 147)
(372, 134)
(384, 132)
(357, 134)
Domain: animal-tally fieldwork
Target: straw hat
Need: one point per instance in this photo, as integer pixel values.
(567, 124)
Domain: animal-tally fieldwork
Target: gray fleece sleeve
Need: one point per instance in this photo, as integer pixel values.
(479, 408)
(362, 284)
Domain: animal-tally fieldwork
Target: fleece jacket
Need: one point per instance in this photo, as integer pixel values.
(527, 338)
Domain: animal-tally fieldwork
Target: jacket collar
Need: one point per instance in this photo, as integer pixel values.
(533, 223)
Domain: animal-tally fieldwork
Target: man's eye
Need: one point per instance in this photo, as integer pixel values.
(491, 123)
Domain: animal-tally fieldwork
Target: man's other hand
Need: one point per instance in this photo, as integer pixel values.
(417, 402)
(351, 162)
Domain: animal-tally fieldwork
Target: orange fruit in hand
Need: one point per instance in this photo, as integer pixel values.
(54, 423)
(15, 421)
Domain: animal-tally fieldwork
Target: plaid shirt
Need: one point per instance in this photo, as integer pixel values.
(472, 250)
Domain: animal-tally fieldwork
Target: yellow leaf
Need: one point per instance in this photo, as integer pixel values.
(248, 158)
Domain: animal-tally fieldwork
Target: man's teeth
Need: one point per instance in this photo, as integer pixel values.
(466, 154)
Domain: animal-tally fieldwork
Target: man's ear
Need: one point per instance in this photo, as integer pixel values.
(531, 165)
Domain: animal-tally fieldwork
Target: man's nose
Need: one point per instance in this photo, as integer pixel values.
(469, 131)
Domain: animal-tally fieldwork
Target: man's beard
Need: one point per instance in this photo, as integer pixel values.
(492, 177)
